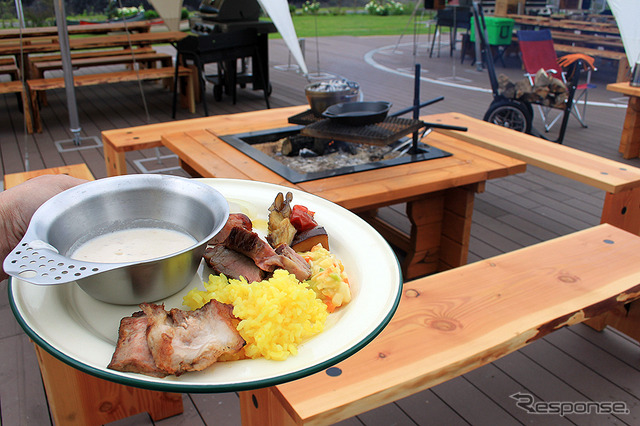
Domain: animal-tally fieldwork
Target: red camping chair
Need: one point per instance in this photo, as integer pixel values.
(537, 51)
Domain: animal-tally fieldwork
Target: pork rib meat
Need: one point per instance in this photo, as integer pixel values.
(158, 343)
(183, 341)
(232, 264)
(132, 352)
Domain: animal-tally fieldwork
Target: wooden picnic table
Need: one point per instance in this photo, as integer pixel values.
(565, 24)
(102, 28)
(438, 193)
(598, 40)
(97, 42)
(630, 139)
(588, 40)
(22, 50)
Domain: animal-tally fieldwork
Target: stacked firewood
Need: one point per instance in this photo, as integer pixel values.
(546, 90)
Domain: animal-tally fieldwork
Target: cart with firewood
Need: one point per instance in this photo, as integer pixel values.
(512, 101)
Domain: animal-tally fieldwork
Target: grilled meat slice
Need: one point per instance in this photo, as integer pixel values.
(235, 219)
(232, 264)
(183, 341)
(250, 244)
(293, 262)
(132, 352)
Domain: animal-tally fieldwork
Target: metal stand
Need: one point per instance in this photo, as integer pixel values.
(289, 66)
(452, 39)
(415, 29)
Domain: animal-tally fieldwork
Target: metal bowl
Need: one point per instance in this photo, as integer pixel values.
(106, 205)
(322, 95)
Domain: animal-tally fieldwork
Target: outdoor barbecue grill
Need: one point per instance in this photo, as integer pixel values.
(228, 31)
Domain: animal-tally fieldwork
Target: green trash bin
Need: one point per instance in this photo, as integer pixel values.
(499, 30)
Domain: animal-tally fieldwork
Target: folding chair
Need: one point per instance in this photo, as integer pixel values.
(537, 51)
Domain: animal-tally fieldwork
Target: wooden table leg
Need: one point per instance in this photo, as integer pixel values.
(423, 252)
(630, 139)
(440, 231)
(115, 161)
(261, 407)
(77, 398)
(623, 211)
(624, 70)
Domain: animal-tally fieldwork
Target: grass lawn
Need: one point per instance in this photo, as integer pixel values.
(353, 25)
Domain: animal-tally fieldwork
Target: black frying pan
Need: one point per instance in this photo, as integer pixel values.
(358, 113)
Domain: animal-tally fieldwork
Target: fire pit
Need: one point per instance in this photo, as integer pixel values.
(299, 155)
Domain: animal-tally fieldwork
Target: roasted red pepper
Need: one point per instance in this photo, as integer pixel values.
(302, 218)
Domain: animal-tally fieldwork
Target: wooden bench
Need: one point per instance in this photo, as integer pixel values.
(147, 59)
(17, 86)
(9, 67)
(117, 142)
(38, 85)
(34, 59)
(78, 398)
(453, 322)
(620, 182)
(80, 171)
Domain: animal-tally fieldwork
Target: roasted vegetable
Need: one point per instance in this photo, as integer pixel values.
(305, 240)
(281, 231)
(302, 218)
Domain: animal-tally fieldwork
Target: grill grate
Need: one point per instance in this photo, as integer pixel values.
(382, 133)
(304, 118)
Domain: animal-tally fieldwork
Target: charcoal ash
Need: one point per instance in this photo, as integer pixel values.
(305, 154)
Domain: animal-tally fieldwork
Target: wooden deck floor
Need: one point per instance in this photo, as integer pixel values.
(575, 364)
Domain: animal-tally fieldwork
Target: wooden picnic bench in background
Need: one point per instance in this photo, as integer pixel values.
(101, 28)
(22, 51)
(146, 57)
(455, 321)
(8, 67)
(586, 27)
(620, 182)
(147, 60)
(56, 57)
(16, 86)
(38, 85)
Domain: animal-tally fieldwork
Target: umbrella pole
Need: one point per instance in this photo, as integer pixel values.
(63, 39)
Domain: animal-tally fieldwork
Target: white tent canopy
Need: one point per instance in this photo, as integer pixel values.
(627, 13)
(278, 11)
(170, 12)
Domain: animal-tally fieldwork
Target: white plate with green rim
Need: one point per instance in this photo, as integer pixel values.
(82, 331)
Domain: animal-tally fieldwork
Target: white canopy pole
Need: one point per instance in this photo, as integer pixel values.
(63, 40)
(170, 11)
(627, 13)
(278, 11)
(20, 13)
